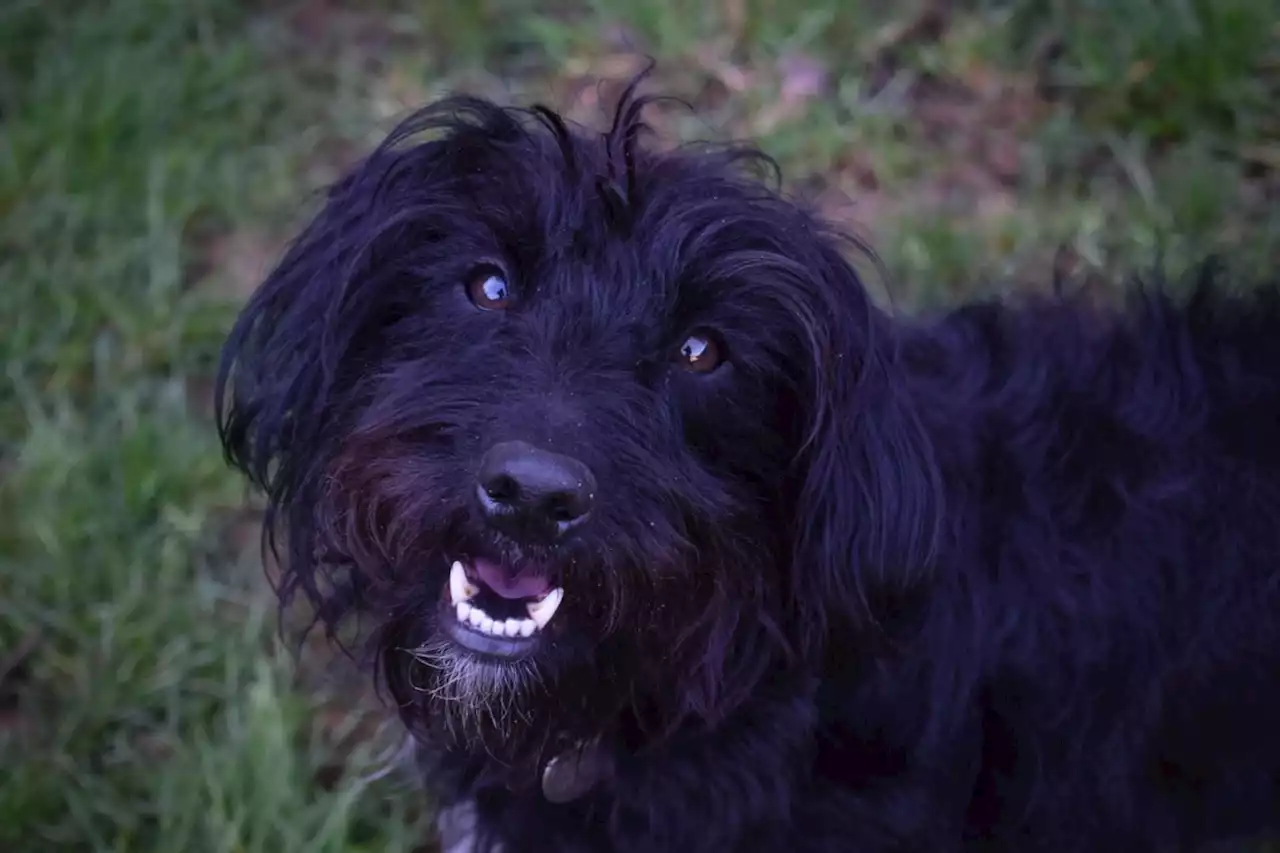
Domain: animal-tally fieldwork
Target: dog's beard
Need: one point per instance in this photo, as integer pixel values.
(517, 712)
(475, 699)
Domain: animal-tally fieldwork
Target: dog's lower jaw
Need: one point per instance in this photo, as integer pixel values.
(471, 693)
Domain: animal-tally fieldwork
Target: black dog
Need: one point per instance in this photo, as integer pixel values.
(673, 541)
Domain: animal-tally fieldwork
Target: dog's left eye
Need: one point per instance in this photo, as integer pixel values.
(487, 289)
(701, 352)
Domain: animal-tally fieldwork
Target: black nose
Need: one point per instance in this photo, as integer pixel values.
(527, 491)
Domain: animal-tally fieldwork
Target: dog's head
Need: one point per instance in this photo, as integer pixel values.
(584, 428)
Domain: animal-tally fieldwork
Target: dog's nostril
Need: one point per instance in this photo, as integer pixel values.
(502, 489)
(563, 507)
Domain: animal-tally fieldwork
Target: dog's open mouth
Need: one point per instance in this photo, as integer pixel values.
(498, 612)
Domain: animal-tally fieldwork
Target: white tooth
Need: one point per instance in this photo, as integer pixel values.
(512, 627)
(460, 589)
(527, 627)
(464, 610)
(486, 625)
(476, 617)
(542, 611)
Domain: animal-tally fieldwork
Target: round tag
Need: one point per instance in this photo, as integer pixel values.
(573, 773)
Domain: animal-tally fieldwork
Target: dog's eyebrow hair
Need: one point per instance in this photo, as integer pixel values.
(561, 133)
(618, 189)
(617, 209)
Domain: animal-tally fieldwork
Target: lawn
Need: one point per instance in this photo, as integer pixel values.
(155, 154)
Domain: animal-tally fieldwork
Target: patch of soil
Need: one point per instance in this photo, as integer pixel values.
(238, 260)
(971, 127)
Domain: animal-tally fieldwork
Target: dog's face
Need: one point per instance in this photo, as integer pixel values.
(564, 418)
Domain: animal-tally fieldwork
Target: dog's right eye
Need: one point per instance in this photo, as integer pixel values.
(488, 289)
(701, 352)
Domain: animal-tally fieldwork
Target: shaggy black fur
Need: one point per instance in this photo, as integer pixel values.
(1002, 579)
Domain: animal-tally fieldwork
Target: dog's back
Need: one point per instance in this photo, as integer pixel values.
(1216, 746)
(1109, 596)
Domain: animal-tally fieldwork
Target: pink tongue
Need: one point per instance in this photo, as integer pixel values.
(526, 584)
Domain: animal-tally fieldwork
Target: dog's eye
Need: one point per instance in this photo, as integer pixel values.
(487, 289)
(701, 352)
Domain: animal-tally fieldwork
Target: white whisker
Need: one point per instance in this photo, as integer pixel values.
(472, 691)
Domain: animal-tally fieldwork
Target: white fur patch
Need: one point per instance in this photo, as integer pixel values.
(472, 690)
(457, 828)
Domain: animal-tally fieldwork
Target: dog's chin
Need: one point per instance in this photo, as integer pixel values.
(491, 624)
(486, 658)
(508, 668)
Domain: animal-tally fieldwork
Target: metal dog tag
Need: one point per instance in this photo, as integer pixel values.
(574, 772)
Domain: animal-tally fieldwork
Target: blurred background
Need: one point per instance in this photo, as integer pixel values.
(156, 154)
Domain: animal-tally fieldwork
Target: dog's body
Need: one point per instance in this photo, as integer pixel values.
(802, 576)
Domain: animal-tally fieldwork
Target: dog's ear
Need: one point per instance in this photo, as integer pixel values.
(289, 381)
(868, 505)
(275, 395)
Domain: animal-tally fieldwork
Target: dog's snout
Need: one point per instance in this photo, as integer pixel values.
(522, 487)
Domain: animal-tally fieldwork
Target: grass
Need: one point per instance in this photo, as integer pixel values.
(153, 153)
